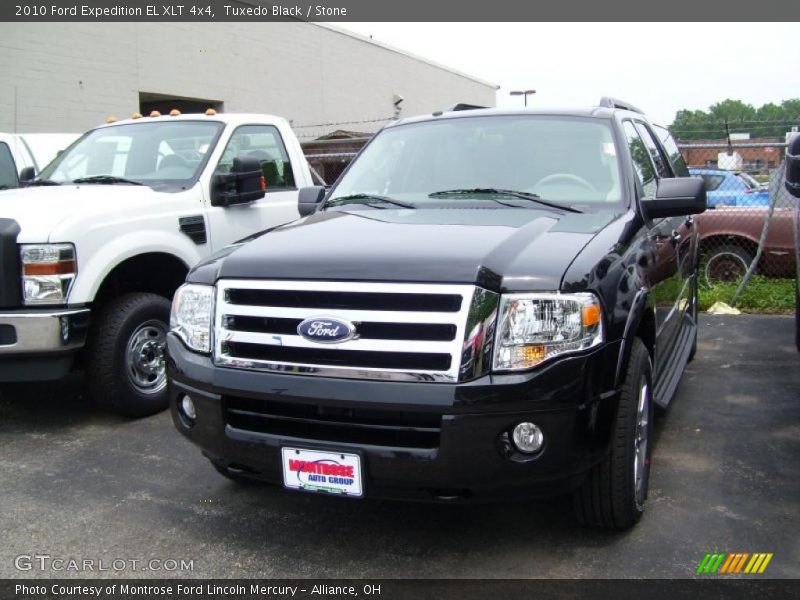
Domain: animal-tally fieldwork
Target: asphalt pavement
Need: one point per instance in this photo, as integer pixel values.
(80, 484)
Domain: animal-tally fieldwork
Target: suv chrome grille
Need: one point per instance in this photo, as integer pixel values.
(411, 332)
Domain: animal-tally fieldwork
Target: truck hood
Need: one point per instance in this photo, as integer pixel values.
(43, 212)
(500, 249)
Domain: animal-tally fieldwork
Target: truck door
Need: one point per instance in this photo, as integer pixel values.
(279, 205)
(665, 277)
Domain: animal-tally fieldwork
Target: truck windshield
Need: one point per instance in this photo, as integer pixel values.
(564, 160)
(149, 153)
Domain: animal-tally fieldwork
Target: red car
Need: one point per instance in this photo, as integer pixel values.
(729, 238)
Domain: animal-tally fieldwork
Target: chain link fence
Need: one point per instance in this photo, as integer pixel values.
(748, 229)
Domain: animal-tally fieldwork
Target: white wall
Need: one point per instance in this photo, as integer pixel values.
(70, 77)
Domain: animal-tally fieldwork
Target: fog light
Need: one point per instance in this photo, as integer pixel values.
(187, 408)
(527, 438)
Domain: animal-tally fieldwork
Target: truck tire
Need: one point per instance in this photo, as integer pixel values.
(125, 355)
(614, 494)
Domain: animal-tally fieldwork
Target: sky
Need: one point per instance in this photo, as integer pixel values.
(659, 67)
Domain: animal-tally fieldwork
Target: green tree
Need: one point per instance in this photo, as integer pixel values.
(769, 120)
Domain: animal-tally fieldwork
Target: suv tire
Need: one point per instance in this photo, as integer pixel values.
(125, 352)
(615, 491)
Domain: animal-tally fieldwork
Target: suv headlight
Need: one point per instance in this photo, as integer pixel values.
(192, 315)
(535, 327)
(48, 271)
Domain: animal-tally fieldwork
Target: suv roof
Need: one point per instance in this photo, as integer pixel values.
(605, 109)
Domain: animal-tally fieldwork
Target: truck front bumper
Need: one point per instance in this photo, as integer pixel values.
(40, 344)
(572, 400)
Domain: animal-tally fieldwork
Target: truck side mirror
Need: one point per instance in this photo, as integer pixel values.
(676, 197)
(793, 166)
(309, 199)
(26, 175)
(242, 185)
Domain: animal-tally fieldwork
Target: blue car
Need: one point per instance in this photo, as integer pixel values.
(731, 188)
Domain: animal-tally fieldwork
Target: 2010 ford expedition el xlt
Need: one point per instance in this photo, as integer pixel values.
(486, 303)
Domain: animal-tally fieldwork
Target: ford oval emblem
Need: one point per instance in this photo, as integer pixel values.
(326, 330)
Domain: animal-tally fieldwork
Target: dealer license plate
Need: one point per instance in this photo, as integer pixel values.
(326, 472)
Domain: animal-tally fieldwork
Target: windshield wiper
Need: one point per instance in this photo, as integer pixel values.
(367, 199)
(41, 182)
(109, 179)
(502, 192)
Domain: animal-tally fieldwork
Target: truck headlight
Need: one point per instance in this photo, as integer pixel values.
(192, 315)
(535, 327)
(48, 271)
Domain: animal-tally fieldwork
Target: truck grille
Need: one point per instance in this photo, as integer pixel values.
(392, 428)
(407, 332)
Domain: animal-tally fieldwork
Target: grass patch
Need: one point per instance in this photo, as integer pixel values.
(760, 295)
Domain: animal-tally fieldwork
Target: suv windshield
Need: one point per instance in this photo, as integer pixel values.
(159, 152)
(565, 160)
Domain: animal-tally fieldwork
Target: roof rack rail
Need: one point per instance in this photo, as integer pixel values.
(609, 102)
(464, 106)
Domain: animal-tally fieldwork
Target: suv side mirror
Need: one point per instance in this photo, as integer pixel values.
(676, 197)
(26, 175)
(793, 166)
(309, 199)
(242, 185)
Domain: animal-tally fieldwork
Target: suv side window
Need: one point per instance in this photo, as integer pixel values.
(673, 153)
(8, 169)
(662, 169)
(642, 165)
(263, 142)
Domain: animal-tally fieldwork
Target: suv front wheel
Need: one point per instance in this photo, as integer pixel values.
(615, 491)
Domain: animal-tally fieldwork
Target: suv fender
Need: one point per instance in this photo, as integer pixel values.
(640, 316)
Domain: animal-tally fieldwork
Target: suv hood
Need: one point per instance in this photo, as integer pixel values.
(500, 249)
(41, 210)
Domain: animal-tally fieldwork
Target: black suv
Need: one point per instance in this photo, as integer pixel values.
(486, 303)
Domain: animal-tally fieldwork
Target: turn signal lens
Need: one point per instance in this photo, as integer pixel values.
(591, 315)
(59, 268)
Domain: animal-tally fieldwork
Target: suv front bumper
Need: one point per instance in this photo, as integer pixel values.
(39, 344)
(572, 400)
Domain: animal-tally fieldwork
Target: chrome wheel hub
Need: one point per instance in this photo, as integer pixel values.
(144, 357)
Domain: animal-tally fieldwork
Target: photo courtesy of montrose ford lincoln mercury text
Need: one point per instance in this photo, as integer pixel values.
(488, 303)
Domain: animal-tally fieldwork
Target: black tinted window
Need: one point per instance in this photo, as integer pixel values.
(673, 153)
(655, 153)
(642, 165)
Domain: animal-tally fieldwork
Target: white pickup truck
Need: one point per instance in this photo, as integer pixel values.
(92, 250)
(25, 154)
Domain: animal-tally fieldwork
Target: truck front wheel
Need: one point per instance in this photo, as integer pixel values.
(125, 355)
